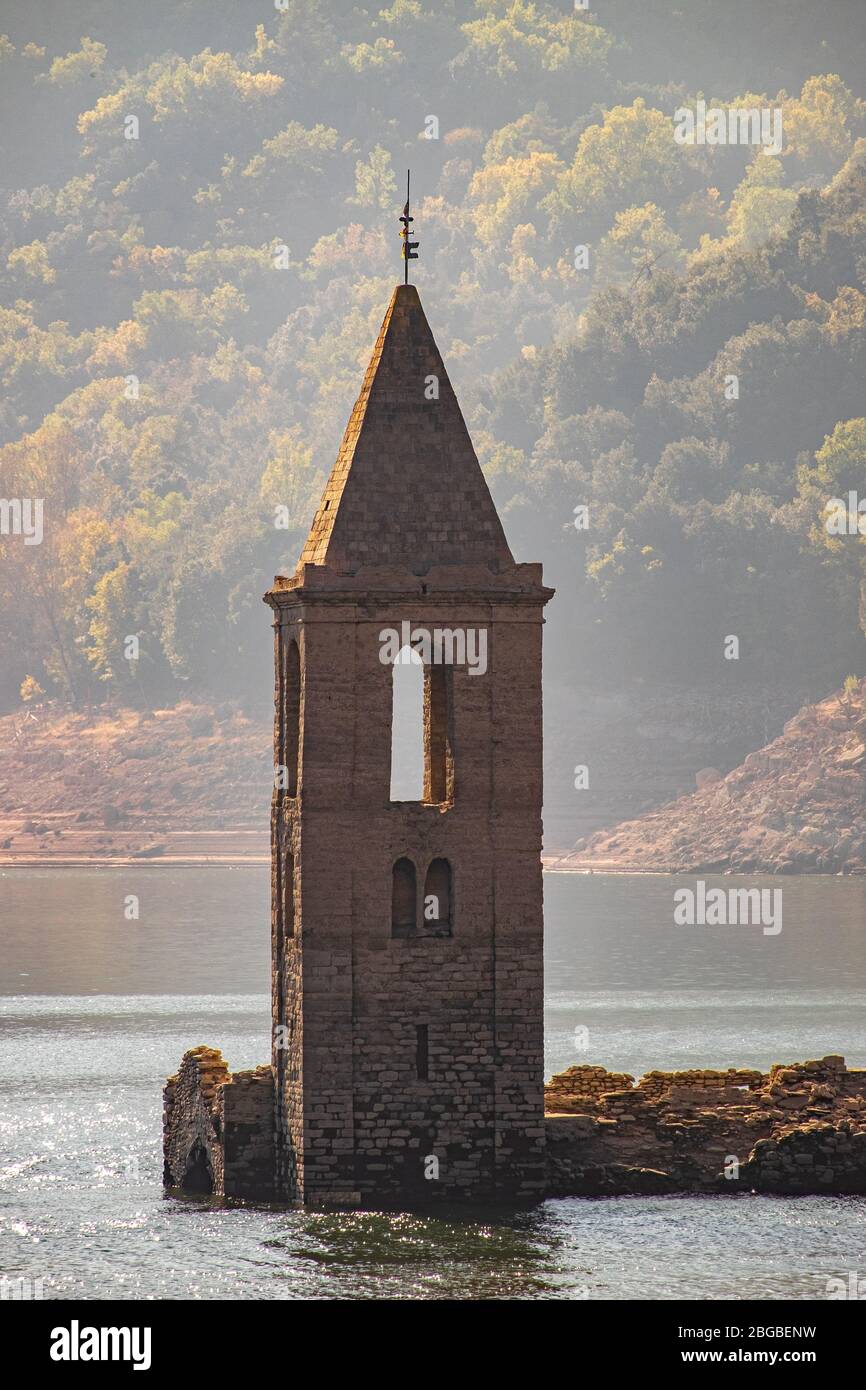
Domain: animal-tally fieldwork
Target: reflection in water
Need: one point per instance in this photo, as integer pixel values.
(493, 1255)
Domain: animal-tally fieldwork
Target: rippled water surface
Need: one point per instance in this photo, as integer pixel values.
(97, 1010)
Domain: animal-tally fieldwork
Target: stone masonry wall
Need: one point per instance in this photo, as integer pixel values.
(573, 1090)
(798, 1128)
(218, 1129)
(399, 1120)
(246, 1113)
(354, 1117)
(192, 1138)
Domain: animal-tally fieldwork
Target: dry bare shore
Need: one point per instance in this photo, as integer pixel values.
(192, 784)
(796, 806)
(188, 785)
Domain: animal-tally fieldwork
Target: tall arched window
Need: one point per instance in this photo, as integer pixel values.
(438, 760)
(438, 904)
(407, 727)
(289, 896)
(403, 899)
(292, 716)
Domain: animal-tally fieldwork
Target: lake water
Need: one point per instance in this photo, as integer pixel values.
(96, 1010)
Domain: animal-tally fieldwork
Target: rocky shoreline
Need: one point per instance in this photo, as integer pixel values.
(796, 806)
(186, 785)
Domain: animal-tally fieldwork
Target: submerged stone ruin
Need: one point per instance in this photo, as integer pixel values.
(795, 1130)
(799, 1128)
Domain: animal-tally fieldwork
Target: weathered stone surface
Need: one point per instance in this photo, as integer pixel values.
(218, 1135)
(192, 1139)
(796, 1129)
(246, 1114)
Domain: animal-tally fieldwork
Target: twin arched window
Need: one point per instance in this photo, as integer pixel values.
(434, 917)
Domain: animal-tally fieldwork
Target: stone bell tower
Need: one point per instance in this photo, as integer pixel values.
(407, 935)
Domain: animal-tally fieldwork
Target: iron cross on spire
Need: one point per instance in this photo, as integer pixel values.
(410, 248)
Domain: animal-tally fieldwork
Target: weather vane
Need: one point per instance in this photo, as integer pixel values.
(410, 248)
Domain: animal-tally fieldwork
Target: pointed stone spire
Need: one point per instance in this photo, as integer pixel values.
(407, 488)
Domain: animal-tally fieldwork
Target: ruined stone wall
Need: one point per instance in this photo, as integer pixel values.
(245, 1108)
(656, 1084)
(576, 1087)
(829, 1071)
(218, 1129)
(819, 1157)
(798, 1128)
(192, 1139)
(579, 1087)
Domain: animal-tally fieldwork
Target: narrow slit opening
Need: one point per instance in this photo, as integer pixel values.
(422, 1051)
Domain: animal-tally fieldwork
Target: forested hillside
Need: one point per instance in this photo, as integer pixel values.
(197, 242)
